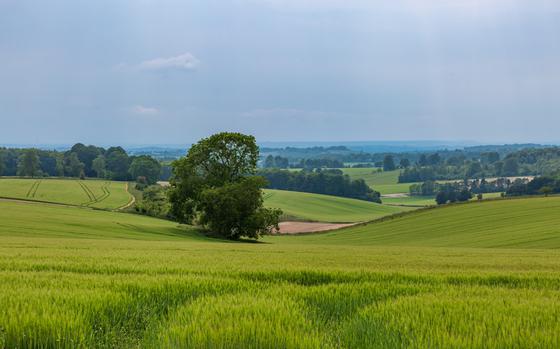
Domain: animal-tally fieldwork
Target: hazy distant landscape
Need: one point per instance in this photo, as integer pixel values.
(279, 174)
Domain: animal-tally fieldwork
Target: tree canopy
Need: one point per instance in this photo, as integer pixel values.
(215, 182)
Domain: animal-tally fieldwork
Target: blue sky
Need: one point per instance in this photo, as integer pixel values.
(141, 72)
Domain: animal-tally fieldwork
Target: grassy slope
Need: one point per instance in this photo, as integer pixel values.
(383, 182)
(30, 219)
(326, 208)
(519, 223)
(59, 288)
(93, 193)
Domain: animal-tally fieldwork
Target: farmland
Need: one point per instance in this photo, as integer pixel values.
(74, 277)
(326, 208)
(383, 182)
(92, 193)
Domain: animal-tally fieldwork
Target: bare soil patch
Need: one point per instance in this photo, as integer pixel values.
(309, 227)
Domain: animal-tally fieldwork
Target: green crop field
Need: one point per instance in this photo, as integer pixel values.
(509, 223)
(478, 275)
(410, 200)
(383, 182)
(91, 193)
(326, 208)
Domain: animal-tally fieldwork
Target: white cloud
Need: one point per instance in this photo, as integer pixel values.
(183, 61)
(142, 110)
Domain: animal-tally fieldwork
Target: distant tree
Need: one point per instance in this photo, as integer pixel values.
(145, 166)
(2, 162)
(433, 159)
(269, 162)
(117, 163)
(99, 167)
(216, 183)
(29, 163)
(86, 155)
(441, 198)
(490, 157)
(423, 161)
(546, 190)
(464, 195)
(404, 163)
(59, 165)
(511, 167)
(73, 167)
(474, 170)
(388, 163)
(479, 196)
(281, 162)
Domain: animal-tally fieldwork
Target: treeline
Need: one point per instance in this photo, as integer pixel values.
(283, 163)
(330, 182)
(540, 185)
(477, 186)
(80, 161)
(521, 163)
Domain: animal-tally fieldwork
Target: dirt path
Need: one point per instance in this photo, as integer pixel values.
(131, 202)
(310, 227)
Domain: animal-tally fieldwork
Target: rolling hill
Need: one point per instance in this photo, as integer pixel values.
(510, 223)
(326, 208)
(91, 193)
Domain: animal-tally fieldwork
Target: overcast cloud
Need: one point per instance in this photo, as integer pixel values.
(147, 71)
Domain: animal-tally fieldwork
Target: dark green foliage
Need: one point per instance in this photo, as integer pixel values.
(154, 201)
(73, 167)
(329, 182)
(117, 162)
(280, 162)
(404, 163)
(388, 163)
(86, 155)
(147, 167)
(215, 182)
(1, 162)
(28, 164)
(99, 166)
(540, 185)
(236, 210)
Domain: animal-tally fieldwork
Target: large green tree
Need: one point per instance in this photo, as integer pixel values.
(28, 164)
(215, 182)
(145, 166)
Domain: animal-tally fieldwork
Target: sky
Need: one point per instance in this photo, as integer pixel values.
(172, 72)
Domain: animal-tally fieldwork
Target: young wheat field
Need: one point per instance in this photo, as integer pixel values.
(78, 278)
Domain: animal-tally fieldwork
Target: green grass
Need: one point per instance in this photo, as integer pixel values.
(326, 208)
(91, 193)
(410, 200)
(372, 176)
(78, 278)
(383, 182)
(510, 223)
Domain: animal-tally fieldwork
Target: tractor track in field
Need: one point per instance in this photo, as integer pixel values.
(33, 189)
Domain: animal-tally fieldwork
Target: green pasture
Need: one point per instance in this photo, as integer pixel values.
(478, 275)
(92, 193)
(326, 208)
